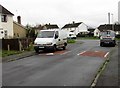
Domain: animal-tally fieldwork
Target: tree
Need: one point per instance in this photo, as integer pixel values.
(30, 31)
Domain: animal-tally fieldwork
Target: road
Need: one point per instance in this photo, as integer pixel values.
(63, 68)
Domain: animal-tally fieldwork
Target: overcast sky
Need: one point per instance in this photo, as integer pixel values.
(61, 12)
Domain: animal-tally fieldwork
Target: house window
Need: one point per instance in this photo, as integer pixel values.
(4, 18)
(5, 33)
(17, 35)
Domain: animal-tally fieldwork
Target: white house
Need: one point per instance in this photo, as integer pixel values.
(97, 32)
(76, 28)
(6, 23)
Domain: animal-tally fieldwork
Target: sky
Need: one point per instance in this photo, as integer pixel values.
(34, 12)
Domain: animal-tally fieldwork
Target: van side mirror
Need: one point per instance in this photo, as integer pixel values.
(56, 36)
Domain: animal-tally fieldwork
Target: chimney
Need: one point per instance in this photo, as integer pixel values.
(19, 19)
(73, 22)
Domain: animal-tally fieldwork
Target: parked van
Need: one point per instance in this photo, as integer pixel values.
(71, 35)
(51, 39)
(107, 38)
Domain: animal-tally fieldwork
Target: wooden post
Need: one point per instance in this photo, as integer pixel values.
(8, 47)
(20, 46)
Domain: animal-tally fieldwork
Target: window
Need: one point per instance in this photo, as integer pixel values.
(46, 34)
(4, 18)
(5, 33)
(57, 33)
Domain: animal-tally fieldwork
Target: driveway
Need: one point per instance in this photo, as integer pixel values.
(76, 66)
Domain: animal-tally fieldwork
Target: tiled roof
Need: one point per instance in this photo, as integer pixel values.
(39, 27)
(109, 27)
(19, 24)
(91, 29)
(51, 26)
(5, 11)
(72, 25)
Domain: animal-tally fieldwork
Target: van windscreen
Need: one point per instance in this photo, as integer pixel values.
(46, 34)
(108, 33)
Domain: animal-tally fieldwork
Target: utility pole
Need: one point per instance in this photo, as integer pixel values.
(108, 18)
(112, 23)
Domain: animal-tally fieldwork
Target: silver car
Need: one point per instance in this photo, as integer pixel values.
(107, 38)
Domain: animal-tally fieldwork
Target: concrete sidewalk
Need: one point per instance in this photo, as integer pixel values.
(18, 56)
(110, 77)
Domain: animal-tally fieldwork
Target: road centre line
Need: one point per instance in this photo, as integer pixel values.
(106, 54)
(70, 51)
(65, 52)
(81, 53)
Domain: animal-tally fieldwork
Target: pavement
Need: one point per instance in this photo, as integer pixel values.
(64, 68)
(110, 75)
(18, 56)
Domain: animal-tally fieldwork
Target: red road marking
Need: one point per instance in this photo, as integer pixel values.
(95, 54)
(54, 53)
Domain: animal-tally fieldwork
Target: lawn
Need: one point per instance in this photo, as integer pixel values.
(94, 38)
(71, 41)
(5, 53)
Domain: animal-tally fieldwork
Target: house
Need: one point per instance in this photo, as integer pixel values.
(77, 28)
(19, 30)
(101, 28)
(97, 32)
(37, 28)
(91, 31)
(6, 23)
(51, 26)
(115, 27)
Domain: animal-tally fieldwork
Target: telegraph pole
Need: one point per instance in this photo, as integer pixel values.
(108, 18)
(112, 22)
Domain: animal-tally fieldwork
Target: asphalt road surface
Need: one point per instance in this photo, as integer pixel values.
(72, 67)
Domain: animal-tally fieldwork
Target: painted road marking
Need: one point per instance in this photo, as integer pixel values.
(62, 52)
(66, 52)
(94, 54)
(106, 54)
(49, 54)
(81, 53)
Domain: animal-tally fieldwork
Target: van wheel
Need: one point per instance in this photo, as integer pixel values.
(54, 48)
(113, 45)
(37, 51)
(101, 44)
(64, 47)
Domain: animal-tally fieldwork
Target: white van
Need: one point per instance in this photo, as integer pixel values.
(51, 39)
(71, 35)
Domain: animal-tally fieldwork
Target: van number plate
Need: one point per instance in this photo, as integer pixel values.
(41, 47)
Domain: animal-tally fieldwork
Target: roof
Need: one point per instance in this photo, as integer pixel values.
(71, 25)
(91, 29)
(116, 27)
(3, 10)
(51, 26)
(18, 24)
(51, 30)
(38, 27)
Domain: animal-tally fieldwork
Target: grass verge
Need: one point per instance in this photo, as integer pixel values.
(8, 53)
(94, 38)
(71, 41)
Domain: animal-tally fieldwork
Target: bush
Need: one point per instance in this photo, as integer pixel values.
(117, 36)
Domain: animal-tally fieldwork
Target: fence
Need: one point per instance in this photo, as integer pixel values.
(16, 44)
